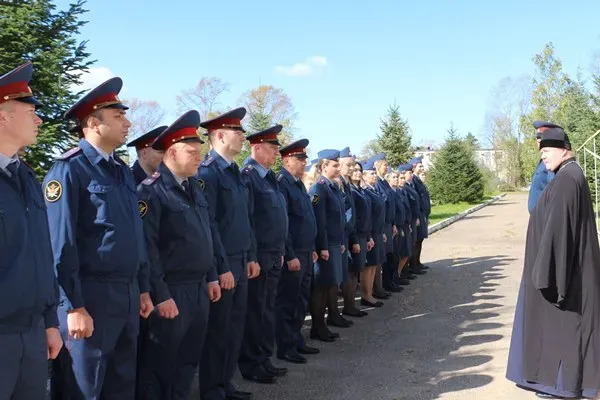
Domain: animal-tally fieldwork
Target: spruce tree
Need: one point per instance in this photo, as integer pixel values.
(35, 31)
(395, 138)
(455, 176)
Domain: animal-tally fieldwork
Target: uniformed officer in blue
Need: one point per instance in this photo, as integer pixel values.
(414, 199)
(99, 251)
(147, 157)
(541, 176)
(268, 211)
(294, 284)
(330, 212)
(425, 205)
(28, 290)
(228, 201)
(179, 234)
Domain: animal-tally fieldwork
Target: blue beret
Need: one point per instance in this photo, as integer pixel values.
(415, 160)
(103, 96)
(267, 136)
(229, 120)
(368, 165)
(308, 167)
(328, 154)
(14, 85)
(405, 167)
(345, 152)
(146, 139)
(296, 149)
(185, 129)
(378, 157)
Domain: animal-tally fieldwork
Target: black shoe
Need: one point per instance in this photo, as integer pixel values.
(323, 336)
(355, 312)
(419, 272)
(423, 266)
(333, 334)
(411, 277)
(270, 368)
(381, 296)
(239, 395)
(543, 395)
(394, 289)
(339, 322)
(260, 375)
(402, 281)
(304, 349)
(292, 356)
(369, 304)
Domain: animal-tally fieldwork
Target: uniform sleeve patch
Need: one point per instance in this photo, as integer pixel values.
(201, 183)
(315, 199)
(143, 207)
(53, 191)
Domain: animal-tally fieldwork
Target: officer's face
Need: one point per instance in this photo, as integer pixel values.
(394, 180)
(233, 140)
(370, 177)
(419, 168)
(20, 123)
(114, 126)
(295, 166)
(408, 176)
(187, 156)
(356, 175)
(401, 180)
(553, 157)
(331, 169)
(151, 157)
(267, 153)
(382, 169)
(346, 165)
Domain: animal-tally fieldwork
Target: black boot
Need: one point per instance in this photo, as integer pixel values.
(318, 303)
(334, 317)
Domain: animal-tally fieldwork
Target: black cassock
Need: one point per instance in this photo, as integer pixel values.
(555, 345)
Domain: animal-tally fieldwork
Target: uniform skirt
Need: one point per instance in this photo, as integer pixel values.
(359, 260)
(403, 243)
(422, 230)
(345, 261)
(329, 273)
(389, 245)
(413, 237)
(377, 254)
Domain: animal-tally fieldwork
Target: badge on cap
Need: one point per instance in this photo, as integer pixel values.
(315, 199)
(53, 191)
(143, 208)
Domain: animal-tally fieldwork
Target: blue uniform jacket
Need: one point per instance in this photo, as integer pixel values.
(229, 204)
(179, 233)
(328, 204)
(388, 195)
(541, 178)
(400, 214)
(362, 208)
(424, 199)
(303, 225)
(268, 209)
(403, 195)
(350, 213)
(28, 287)
(97, 232)
(414, 200)
(377, 210)
(138, 173)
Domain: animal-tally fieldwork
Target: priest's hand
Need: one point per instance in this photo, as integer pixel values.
(146, 305)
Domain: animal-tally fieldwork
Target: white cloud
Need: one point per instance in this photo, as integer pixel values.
(310, 66)
(92, 78)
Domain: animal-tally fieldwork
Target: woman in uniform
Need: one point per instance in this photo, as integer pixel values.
(377, 254)
(403, 241)
(328, 204)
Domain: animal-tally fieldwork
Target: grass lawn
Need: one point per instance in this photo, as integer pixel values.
(445, 211)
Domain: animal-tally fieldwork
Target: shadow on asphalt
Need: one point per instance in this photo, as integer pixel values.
(415, 347)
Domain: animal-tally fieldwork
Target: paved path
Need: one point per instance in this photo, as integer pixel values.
(446, 337)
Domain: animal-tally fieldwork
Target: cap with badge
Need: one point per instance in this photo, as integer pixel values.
(541, 126)
(229, 120)
(185, 129)
(405, 167)
(368, 165)
(328, 154)
(145, 140)
(555, 137)
(106, 95)
(345, 152)
(267, 136)
(14, 85)
(378, 157)
(296, 149)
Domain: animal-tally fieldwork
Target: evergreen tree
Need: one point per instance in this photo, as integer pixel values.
(455, 175)
(395, 138)
(35, 31)
(472, 141)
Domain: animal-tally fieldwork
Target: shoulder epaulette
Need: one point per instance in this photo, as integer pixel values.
(322, 181)
(247, 169)
(69, 154)
(151, 179)
(207, 162)
(279, 177)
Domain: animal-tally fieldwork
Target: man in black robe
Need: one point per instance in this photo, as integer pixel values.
(556, 353)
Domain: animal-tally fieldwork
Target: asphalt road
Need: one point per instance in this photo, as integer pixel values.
(445, 337)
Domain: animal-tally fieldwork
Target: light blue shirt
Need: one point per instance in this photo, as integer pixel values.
(104, 154)
(262, 171)
(6, 160)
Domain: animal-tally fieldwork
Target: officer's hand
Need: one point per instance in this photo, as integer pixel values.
(418, 222)
(325, 254)
(80, 323)
(355, 248)
(253, 269)
(146, 305)
(402, 233)
(214, 291)
(168, 309)
(53, 342)
(370, 244)
(384, 238)
(226, 281)
(315, 256)
(394, 230)
(343, 249)
(294, 265)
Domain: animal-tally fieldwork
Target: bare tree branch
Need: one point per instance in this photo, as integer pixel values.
(144, 115)
(205, 97)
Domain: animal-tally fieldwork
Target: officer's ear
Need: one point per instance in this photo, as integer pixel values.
(5, 109)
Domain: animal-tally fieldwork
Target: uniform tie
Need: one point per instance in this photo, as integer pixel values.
(13, 168)
(186, 186)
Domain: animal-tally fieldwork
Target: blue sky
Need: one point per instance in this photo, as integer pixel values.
(437, 60)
